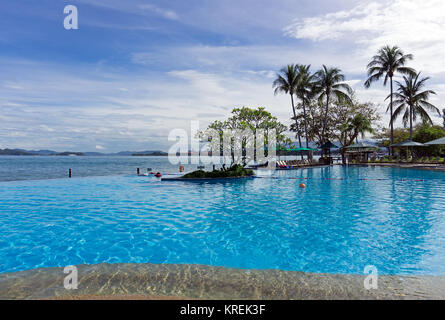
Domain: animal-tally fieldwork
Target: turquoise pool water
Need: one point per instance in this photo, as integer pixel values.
(347, 218)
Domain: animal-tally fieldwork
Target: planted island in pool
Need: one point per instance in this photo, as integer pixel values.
(235, 171)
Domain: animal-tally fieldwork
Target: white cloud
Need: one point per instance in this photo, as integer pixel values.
(88, 106)
(416, 26)
(358, 32)
(14, 87)
(168, 14)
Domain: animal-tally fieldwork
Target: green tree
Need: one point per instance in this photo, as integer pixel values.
(330, 86)
(386, 63)
(384, 136)
(352, 120)
(422, 132)
(346, 120)
(357, 125)
(298, 128)
(425, 132)
(412, 101)
(242, 119)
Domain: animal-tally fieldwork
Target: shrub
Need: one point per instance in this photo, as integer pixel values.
(234, 171)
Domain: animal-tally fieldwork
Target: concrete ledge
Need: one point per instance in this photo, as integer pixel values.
(170, 281)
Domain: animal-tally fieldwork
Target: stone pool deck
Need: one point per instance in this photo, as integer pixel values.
(419, 166)
(168, 281)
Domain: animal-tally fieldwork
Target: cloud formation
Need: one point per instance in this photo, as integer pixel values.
(416, 26)
(137, 69)
(168, 14)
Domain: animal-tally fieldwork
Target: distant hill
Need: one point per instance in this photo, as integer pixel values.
(150, 153)
(139, 153)
(93, 154)
(14, 152)
(43, 152)
(22, 152)
(68, 153)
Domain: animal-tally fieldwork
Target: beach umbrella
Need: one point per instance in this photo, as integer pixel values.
(303, 149)
(436, 142)
(328, 145)
(407, 144)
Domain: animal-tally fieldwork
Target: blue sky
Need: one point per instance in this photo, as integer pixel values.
(136, 69)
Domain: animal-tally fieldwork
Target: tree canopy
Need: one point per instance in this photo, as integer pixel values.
(234, 133)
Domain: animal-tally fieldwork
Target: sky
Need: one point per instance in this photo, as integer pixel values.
(134, 70)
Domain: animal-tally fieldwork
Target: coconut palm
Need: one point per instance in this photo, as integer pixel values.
(304, 91)
(330, 86)
(286, 82)
(358, 125)
(412, 101)
(386, 63)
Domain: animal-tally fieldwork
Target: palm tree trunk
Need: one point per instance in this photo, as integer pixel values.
(299, 142)
(305, 123)
(296, 121)
(410, 122)
(293, 108)
(305, 131)
(391, 122)
(325, 119)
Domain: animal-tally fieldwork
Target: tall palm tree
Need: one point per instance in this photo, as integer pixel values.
(386, 63)
(286, 82)
(412, 101)
(304, 91)
(330, 86)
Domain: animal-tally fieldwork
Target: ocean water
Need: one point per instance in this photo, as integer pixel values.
(51, 167)
(346, 218)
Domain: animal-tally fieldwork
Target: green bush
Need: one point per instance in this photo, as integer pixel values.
(234, 171)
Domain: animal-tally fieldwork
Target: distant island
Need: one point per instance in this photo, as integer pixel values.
(150, 154)
(22, 152)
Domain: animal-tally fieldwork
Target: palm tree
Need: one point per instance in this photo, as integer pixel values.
(412, 101)
(359, 125)
(330, 85)
(304, 91)
(286, 82)
(386, 63)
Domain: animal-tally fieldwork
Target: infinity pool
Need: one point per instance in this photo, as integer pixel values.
(346, 218)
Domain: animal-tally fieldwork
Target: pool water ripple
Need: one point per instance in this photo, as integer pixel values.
(347, 218)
